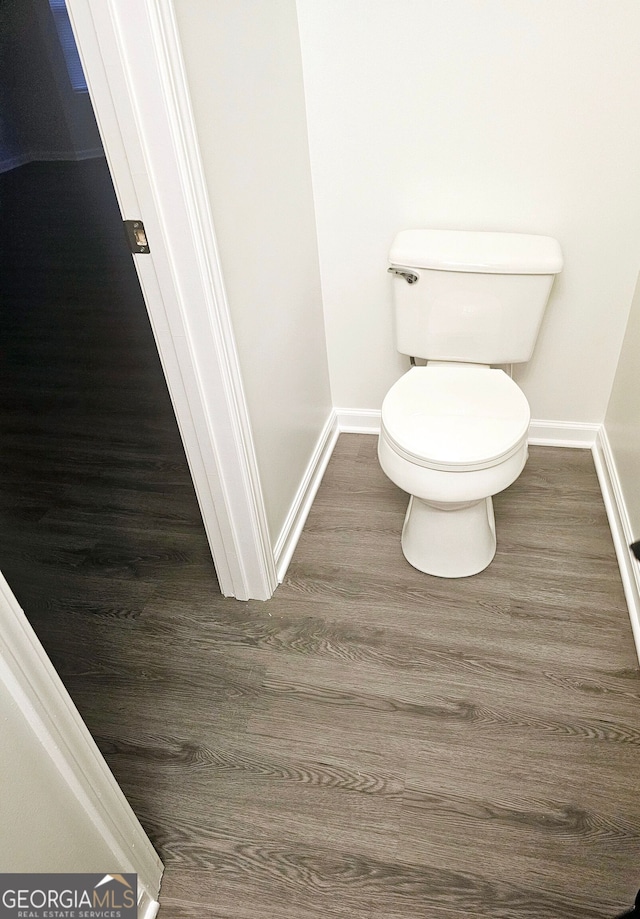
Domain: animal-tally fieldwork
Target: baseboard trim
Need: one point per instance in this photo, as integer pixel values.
(296, 518)
(542, 433)
(563, 434)
(620, 528)
(147, 908)
(358, 420)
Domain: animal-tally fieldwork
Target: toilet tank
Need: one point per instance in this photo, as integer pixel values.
(477, 296)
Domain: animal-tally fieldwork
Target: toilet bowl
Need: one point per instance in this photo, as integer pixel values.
(452, 435)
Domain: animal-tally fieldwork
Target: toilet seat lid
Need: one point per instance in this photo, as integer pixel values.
(455, 418)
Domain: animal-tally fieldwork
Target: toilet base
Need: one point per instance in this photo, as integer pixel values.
(449, 540)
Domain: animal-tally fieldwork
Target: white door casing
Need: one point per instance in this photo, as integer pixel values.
(133, 65)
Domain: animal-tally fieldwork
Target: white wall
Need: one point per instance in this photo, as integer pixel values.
(42, 826)
(245, 78)
(622, 423)
(482, 114)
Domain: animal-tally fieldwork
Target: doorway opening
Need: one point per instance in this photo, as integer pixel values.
(98, 514)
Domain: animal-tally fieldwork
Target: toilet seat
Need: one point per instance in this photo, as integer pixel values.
(455, 418)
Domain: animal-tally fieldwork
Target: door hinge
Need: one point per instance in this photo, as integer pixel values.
(137, 236)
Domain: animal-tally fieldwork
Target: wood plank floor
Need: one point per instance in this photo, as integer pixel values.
(95, 492)
(383, 743)
(372, 742)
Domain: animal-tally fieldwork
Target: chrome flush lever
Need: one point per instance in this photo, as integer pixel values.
(410, 276)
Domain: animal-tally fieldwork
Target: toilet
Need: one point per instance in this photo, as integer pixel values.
(454, 431)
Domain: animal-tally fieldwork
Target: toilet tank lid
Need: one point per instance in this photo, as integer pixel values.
(477, 251)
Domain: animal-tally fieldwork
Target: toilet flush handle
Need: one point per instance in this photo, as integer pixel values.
(410, 276)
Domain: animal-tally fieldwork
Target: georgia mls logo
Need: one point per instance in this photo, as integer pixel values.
(127, 895)
(68, 896)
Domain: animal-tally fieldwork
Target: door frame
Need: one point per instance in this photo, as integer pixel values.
(133, 64)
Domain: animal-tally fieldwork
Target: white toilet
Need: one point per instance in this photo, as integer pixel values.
(454, 432)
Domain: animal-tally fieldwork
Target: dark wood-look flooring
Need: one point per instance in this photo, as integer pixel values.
(95, 492)
(372, 742)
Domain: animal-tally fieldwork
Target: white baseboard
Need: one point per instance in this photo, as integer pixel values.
(358, 420)
(547, 433)
(147, 908)
(620, 528)
(290, 534)
(562, 434)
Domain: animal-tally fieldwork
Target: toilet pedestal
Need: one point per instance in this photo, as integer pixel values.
(449, 540)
